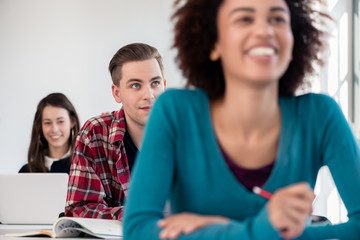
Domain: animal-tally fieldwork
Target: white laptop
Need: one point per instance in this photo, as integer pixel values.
(32, 198)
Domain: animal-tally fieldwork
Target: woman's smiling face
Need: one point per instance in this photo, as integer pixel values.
(56, 127)
(255, 40)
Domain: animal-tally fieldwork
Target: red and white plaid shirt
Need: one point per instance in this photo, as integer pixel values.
(99, 174)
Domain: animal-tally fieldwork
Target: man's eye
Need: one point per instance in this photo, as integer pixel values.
(156, 83)
(135, 85)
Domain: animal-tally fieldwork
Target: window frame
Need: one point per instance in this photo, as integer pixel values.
(355, 59)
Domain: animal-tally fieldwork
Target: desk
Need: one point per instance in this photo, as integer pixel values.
(14, 228)
(4, 228)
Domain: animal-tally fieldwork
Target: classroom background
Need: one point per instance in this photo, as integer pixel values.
(65, 46)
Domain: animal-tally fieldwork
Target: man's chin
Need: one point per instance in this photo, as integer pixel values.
(144, 121)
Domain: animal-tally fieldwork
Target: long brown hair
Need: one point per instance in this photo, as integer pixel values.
(38, 145)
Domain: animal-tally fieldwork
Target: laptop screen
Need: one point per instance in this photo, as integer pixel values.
(32, 198)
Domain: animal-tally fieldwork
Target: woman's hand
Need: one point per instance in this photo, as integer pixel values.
(289, 208)
(186, 223)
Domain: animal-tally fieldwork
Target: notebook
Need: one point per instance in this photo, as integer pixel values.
(32, 198)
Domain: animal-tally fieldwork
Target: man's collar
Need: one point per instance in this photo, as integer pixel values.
(117, 128)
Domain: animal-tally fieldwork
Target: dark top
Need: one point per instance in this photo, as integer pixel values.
(59, 166)
(131, 150)
(249, 178)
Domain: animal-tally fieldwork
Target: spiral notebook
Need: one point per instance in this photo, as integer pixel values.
(32, 198)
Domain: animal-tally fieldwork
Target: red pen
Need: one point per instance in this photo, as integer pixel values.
(262, 192)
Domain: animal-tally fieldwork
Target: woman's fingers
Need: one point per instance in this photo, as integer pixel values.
(170, 232)
(289, 208)
(186, 223)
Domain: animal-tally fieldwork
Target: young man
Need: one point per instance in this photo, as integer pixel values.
(107, 145)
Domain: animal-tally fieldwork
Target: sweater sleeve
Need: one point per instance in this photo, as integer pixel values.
(340, 152)
(152, 180)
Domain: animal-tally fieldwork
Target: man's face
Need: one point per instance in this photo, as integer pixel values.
(141, 83)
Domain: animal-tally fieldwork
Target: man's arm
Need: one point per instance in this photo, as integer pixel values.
(86, 194)
(94, 190)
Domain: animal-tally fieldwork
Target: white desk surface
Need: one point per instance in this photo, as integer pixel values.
(5, 228)
(14, 228)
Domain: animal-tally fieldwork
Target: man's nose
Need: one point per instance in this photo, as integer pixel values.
(149, 93)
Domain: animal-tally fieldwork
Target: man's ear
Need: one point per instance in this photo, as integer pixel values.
(164, 83)
(116, 93)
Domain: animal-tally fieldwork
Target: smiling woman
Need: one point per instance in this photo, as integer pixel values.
(239, 125)
(53, 136)
(65, 46)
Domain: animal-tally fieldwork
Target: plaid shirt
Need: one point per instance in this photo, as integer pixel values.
(99, 174)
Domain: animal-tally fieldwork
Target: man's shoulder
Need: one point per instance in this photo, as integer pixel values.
(103, 124)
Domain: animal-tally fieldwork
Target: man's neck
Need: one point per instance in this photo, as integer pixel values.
(136, 133)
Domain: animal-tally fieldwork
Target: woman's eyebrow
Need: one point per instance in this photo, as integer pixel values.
(240, 9)
(250, 9)
(282, 9)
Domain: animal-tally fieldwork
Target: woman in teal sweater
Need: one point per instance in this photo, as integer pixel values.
(242, 126)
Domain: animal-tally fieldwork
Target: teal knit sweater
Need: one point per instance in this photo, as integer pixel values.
(180, 161)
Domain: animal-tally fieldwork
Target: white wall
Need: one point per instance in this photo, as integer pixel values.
(65, 46)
